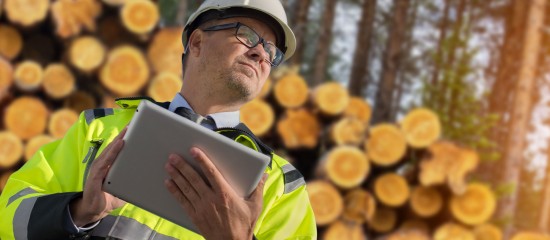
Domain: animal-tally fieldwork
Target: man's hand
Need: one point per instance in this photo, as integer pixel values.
(96, 204)
(214, 207)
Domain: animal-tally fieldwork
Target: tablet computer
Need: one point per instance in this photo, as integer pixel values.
(137, 175)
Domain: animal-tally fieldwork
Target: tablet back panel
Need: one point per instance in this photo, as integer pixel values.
(137, 175)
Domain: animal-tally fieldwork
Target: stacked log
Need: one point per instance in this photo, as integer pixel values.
(391, 180)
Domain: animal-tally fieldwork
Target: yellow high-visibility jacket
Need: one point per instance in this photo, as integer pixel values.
(34, 202)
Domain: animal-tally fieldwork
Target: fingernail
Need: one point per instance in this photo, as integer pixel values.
(172, 158)
(194, 152)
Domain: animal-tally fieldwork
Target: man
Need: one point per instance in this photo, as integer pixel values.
(231, 46)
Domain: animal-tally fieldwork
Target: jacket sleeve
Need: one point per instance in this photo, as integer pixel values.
(290, 215)
(34, 201)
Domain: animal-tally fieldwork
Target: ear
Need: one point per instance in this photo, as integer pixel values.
(195, 42)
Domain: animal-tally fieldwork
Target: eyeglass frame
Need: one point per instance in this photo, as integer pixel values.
(237, 26)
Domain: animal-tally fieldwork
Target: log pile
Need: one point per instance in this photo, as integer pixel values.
(388, 181)
(60, 57)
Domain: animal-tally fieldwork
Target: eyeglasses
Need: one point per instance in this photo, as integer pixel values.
(251, 39)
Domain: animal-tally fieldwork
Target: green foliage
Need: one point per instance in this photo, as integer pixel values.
(168, 10)
(454, 97)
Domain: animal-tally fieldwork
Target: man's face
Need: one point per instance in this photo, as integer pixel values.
(229, 67)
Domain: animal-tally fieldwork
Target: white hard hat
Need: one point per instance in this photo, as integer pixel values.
(270, 12)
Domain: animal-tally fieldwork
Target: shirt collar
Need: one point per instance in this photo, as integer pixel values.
(222, 119)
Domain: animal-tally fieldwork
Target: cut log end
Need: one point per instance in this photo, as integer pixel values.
(358, 108)
(258, 116)
(488, 231)
(475, 206)
(11, 42)
(6, 76)
(36, 143)
(11, 149)
(415, 225)
(465, 163)
(140, 16)
(26, 117)
(26, 12)
(28, 75)
(434, 169)
(58, 81)
(331, 98)
(391, 189)
(266, 88)
(164, 86)
(386, 145)
(80, 101)
(426, 201)
(360, 206)
(165, 51)
(71, 17)
(346, 166)
(421, 127)
(125, 71)
(60, 121)
(291, 91)
(86, 53)
(408, 235)
(299, 128)
(452, 231)
(384, 220)
(343, 230)
(348, 131)
(326, 202)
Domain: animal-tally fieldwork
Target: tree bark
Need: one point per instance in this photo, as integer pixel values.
(359, 72)
(502, 92)
(390, 62)
(407, 65)
(522, 104)
(323, 45)
(299, 25)
(544, 221)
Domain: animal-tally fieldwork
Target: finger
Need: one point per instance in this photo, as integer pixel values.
(180, 197)
(113, 144)
(257, 195)
(216, 179)
(105, 160)
(182, 176)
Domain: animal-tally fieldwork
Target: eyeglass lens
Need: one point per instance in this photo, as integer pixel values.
(250, 38)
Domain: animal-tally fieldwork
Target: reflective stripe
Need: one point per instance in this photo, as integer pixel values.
(293, 178)
(21, 218)
(20, 194)
(92, 114)
(126, 228)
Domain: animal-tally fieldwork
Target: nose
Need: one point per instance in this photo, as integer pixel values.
(258, 53)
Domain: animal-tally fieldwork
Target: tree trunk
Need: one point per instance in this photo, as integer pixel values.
(299, 24)
(439, 54)
(390, 64)
(502, 91)
(408, 65)
(544, 221)
(323, 45)
(359, 72)
(519, 117)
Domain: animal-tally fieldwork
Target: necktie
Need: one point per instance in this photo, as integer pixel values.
(189, 114)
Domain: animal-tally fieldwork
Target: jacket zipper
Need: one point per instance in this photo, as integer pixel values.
(90, 157)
